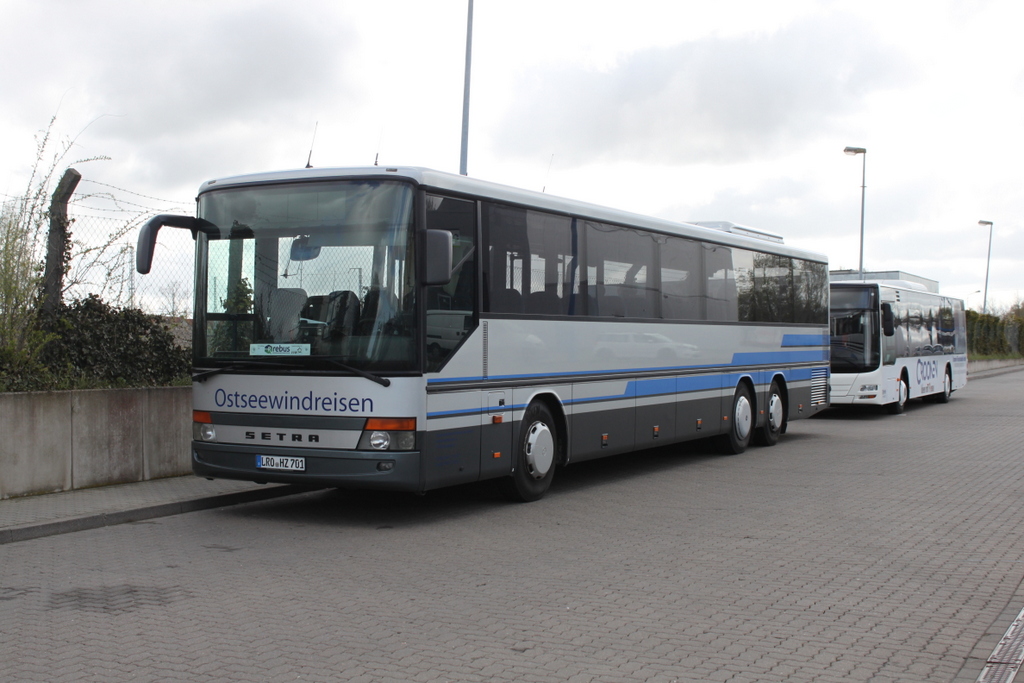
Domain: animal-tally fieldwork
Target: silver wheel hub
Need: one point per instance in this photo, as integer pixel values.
(947, 385)
(902, 392)
(741, 418)
(540, 450)
(775, 413)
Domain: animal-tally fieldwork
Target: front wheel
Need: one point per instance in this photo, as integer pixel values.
(741, 422)
(536, 452)
(768, 433)
(902, 394)
(947, 387)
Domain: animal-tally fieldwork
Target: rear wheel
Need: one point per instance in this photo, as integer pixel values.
(768, 433)
(536, 452)
(741, 423)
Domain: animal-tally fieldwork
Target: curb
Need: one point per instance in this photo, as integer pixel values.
(30, 531)
(992, 372)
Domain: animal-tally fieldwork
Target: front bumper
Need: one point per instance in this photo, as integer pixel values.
(400, 470)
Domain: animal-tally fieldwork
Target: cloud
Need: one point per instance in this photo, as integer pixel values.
(185, 88)
(712, 100)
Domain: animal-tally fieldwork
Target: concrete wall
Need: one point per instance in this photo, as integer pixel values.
(979, 366)
(62, 440)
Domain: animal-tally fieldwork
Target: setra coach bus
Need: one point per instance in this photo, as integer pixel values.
(407, 329)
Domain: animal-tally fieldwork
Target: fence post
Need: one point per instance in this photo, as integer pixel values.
(58, 243)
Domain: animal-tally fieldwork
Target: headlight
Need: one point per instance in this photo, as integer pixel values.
(202, 431)
(388, 434)
(869, 387)
(380, 441)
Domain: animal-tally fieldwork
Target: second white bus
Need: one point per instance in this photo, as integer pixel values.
(892, 341)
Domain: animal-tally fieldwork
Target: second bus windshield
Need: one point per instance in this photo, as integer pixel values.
(853, 319)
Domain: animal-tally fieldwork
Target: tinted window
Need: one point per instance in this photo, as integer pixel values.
(532, 265)
(621, 279)
(682, 282)
(450, 307)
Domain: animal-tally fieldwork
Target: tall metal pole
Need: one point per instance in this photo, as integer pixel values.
(465, 93)
(863, 190)
(854, 151)
(988, 262)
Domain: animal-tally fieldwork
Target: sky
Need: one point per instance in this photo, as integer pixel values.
(727, 110)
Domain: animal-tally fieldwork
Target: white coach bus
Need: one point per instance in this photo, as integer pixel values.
(893, 341)
(406, 329)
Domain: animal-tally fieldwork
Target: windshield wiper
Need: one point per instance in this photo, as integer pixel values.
(383, 381)
(238, 364)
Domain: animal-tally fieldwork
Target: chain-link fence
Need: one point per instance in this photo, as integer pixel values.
(104, 230)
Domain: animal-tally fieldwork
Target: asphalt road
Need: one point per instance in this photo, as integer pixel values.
(864, 547)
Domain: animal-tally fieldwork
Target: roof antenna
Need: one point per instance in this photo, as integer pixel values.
(379, 138)
(310, 158)
(548, 174)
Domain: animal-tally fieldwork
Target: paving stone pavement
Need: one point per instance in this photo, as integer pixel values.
(30, 517)
(864, 547)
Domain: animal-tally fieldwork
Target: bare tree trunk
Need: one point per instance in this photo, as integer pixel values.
(58, 244)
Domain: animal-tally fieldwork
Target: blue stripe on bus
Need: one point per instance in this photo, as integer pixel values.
(805, 340)
(664, 386)
(772, 358)
(779, 357)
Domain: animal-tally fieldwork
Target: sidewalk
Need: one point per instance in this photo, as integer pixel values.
(48, 514)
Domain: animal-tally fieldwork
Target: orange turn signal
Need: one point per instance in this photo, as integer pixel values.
(202, 416)
(391, 424)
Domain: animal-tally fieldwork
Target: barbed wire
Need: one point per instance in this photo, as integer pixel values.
(136, 194)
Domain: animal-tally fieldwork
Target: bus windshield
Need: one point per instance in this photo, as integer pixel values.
(853, 319)
(310, 274)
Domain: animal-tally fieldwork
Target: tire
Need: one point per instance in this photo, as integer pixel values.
(537, 452)
(947, 388)
(903, 393)
(741, 423)
(768, 433)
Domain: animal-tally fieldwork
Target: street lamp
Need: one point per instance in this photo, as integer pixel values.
(988, 261)
(464, 153)
(854, 151)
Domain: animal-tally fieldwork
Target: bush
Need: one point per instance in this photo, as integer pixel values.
(92, 344)
(991, 335)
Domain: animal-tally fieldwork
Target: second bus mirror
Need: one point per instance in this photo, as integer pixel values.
(888, 321)
(438, 245)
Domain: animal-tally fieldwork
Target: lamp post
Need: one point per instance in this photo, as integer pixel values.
(988, 262)
(854, 151)
(464, 154)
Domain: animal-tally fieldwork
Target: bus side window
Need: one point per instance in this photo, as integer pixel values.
(531, 262)
(451, 307)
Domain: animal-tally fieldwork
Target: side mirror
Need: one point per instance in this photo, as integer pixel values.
(438, 245)
(147, 235)
(888, 320)
(302, 250)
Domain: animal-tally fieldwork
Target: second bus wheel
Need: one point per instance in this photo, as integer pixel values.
(768, 433)
(536, 453)
(902, 394)
(740, 421)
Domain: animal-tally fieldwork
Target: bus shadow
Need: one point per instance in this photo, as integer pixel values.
(342, 508)
(650, 462)
(866, 412)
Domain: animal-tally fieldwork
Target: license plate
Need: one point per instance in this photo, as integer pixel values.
(277, 462)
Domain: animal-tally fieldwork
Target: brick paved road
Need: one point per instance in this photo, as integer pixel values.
(863, 548)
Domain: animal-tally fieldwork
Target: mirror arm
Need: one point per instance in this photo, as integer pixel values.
(147, 235)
